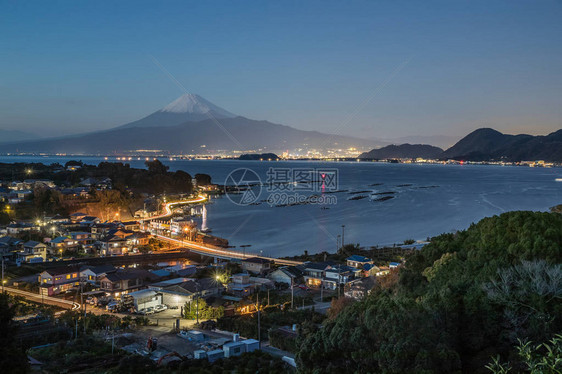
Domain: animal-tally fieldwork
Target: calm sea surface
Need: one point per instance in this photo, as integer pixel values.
(428, 200)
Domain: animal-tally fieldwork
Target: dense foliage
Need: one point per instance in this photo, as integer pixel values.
(12, 356)
(199, 307)
(86, 354)
(459, 301)
(535, 358)
(271, 317)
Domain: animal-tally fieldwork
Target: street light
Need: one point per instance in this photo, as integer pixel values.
(245, 246)
(3, 281)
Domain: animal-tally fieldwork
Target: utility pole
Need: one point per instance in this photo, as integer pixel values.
(83, 303)
(339, 276)
(259, 320)
(2, 273)
(84, 319)
(292, 293)
(244, 249)
(197, 308)
(338, 243)
(197, 303)
(342, 235)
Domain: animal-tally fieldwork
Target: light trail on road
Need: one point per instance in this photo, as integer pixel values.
(208, 249)
(168, 207)
(43, 299)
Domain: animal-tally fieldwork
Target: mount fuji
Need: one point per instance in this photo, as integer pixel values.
(186, 108)
(192, 125)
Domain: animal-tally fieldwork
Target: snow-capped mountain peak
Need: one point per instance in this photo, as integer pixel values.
(186, 108)
(195, 104)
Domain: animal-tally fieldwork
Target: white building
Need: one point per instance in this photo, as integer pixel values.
(145, 299)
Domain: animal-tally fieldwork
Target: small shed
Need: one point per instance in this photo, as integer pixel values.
(199, 354)
(233, 349)
(217, 354)
(251, 345)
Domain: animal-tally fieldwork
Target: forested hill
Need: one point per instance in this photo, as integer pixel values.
(461, 300)
(488, 144)
(403, 151)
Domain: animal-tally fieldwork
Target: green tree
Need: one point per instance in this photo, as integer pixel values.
(201, 308)
(203, 179)
(156, 167)
(461, 298)
(545, 358)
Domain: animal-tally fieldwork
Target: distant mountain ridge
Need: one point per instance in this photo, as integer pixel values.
(484, 144)
(201, 137)
(403, 151)
(192, 125)
(488, 144)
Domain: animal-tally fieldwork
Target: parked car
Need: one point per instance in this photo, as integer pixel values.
(149, 311)
(112, 306)
(160, 308)
(304, 287)
(142, 311)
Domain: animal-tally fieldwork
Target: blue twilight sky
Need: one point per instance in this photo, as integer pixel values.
(364, 68)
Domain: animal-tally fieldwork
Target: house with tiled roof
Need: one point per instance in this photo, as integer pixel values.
(179, 293)
(33, 252)
(63, 243)
(56, 280)
(124, 281)
(93, 274)
(286, 274)
(358, 261)
(256, 265)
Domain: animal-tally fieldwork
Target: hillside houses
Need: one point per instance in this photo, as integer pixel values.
(32, 252)
(57, 280)
(124, 281)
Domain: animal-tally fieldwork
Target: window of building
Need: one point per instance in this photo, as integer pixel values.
(67, 276)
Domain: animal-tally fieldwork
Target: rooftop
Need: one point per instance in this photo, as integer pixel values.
(63, 270)
(257, 260)
(358, 258)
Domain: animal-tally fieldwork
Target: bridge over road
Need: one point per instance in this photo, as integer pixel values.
(206, 249)
(218, 252)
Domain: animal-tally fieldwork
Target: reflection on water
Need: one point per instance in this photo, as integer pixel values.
(421, 201)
